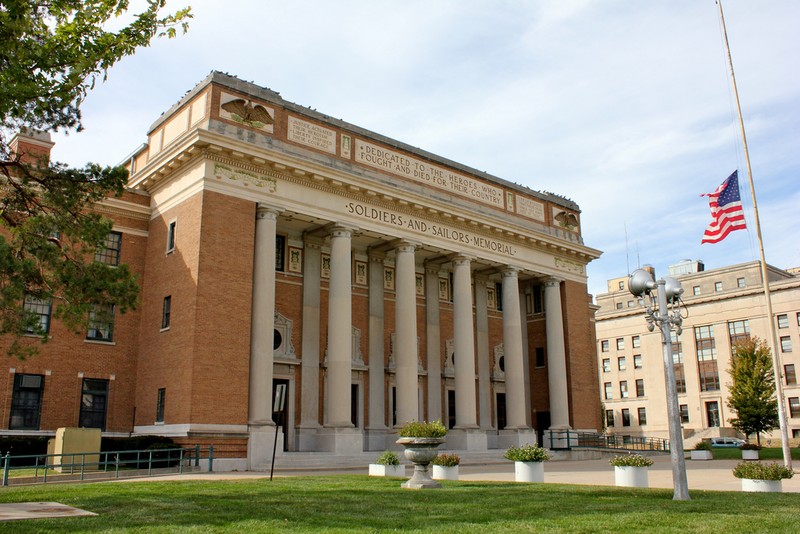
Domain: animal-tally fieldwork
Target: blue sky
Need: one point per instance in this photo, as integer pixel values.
(625, 107)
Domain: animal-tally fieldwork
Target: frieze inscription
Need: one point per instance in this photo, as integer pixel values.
(223, 171)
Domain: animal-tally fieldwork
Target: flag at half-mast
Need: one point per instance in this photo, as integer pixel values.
(727, 214)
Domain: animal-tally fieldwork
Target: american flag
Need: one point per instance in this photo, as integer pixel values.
(726, 210)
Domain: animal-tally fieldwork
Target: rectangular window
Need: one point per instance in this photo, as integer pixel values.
(609, 418)
(604, 345)
(740, 282)
(606, 365)
(162, 394)
(637, 361)
(717, 286)
(684, 408)
(280, 252)
(798, 318)
(94, 401)
(739, 331)
(540, 361)
(538, 301)
(40, 312)
(621, 285)
(695, 290)
(677, 363)
(796, 432)
(165, 312)
(640, 387)
(626, 417)
(101, 323)
(794, 406)
(783, 321)
(706, 358)
(621, 364)
(108, 252)
(171, 234)
(786, 344)
(636, 342)
(623, 389)
(619, 305)
(712, 414)
(607, 390)
(789, 374)
(498, 291)
(620, 343)
(26, 402)
(642, 416)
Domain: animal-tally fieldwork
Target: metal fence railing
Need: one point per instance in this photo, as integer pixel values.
(44, 468)
(570, 439)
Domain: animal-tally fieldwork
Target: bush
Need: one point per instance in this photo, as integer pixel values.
(702, 446)
(388, 458)
(142, 443)
(416, 429)
(23, 446)
(762, 471)
(631, 460)
(749, 447)
(447, 460)
(527, 453)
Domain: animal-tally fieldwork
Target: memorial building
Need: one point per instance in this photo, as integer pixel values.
(280, 250)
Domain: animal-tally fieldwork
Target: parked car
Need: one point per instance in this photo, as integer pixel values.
(726, 442)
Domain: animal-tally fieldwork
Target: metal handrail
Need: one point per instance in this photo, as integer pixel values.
(570, 439)
(77, 462)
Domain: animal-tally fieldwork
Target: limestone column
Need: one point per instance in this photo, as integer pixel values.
(433, 343)
(556, 356)
(512, 343)
(340, 330)
(464, 344)
(405, 347)
(262, 326)
(376, 427)
(483, 350)
(309, 393)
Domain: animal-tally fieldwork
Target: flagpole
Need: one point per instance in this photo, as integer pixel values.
(776, 359)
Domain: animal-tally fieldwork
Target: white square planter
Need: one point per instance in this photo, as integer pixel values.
(701, 455)
(630, 476)
(441, 472)
(762, 486)
(378, 470)
(529, 471)
(749, 454)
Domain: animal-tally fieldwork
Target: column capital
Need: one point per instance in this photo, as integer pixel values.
(312, 242)
(264, 211)
(462, 260)
(510, 272)
(405, 246)
(552, 282)
(341, 231)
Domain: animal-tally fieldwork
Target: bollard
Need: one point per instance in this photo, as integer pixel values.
(210, 458)
(6, 462)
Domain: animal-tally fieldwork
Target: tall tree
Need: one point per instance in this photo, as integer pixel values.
(752, 393)
(52, 55)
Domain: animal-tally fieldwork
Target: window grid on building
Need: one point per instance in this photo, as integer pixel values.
(739, 331)
(41, 309)
(783, 321)
(160, 400)
(94, 403)
(626, 417)
(677, 363)
(620, 343)
(109, 251)
(789, 374)
(607, 390)
(26, 402)
(696, 290)
(166, 312)
(171, 235)
(717, 286)
(684, 409)
(280, 252)
(604, 347)
(740, 282)
(642, 412)
(636, 342)
(637, 361)
(606, 365)
(794, 406)
(609, 418)
(101, 323)
(623, 389)
(786, 344)
(540, 359)
(640, 387)
(621, 363)
(706, 358)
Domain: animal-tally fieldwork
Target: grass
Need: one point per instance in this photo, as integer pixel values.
(358, 503)
(733, 453)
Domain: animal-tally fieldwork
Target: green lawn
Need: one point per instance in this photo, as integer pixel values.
(360, 503)
(733, 453)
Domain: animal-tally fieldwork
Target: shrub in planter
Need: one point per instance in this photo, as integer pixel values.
(388, 458)
(387, 465)
(424, 429)
(445, 466)
(527, 453)
(750, 447)
(702, 451)
(749, 451)
(631, 460)
(702, 446)
(762, 471)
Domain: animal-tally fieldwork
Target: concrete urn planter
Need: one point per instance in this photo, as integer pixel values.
(701, 455)
(380, 470)
(421, 452)
(762, 486)
(529, 471)
(630, 476)
(749, 454)
(441, 472)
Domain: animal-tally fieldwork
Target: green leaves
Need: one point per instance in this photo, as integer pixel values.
(752, 393)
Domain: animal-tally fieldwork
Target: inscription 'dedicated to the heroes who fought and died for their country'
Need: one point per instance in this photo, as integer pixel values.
(424, 227)
(420, 171)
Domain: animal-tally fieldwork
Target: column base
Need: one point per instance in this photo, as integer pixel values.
(463, 439)
(340, 440)
(307, 439)
(515, 437)
(375, 439)
(260, 445)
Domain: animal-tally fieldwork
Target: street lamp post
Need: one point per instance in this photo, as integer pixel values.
(669, 290)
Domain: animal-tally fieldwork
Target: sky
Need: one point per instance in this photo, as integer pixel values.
(625, 107)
